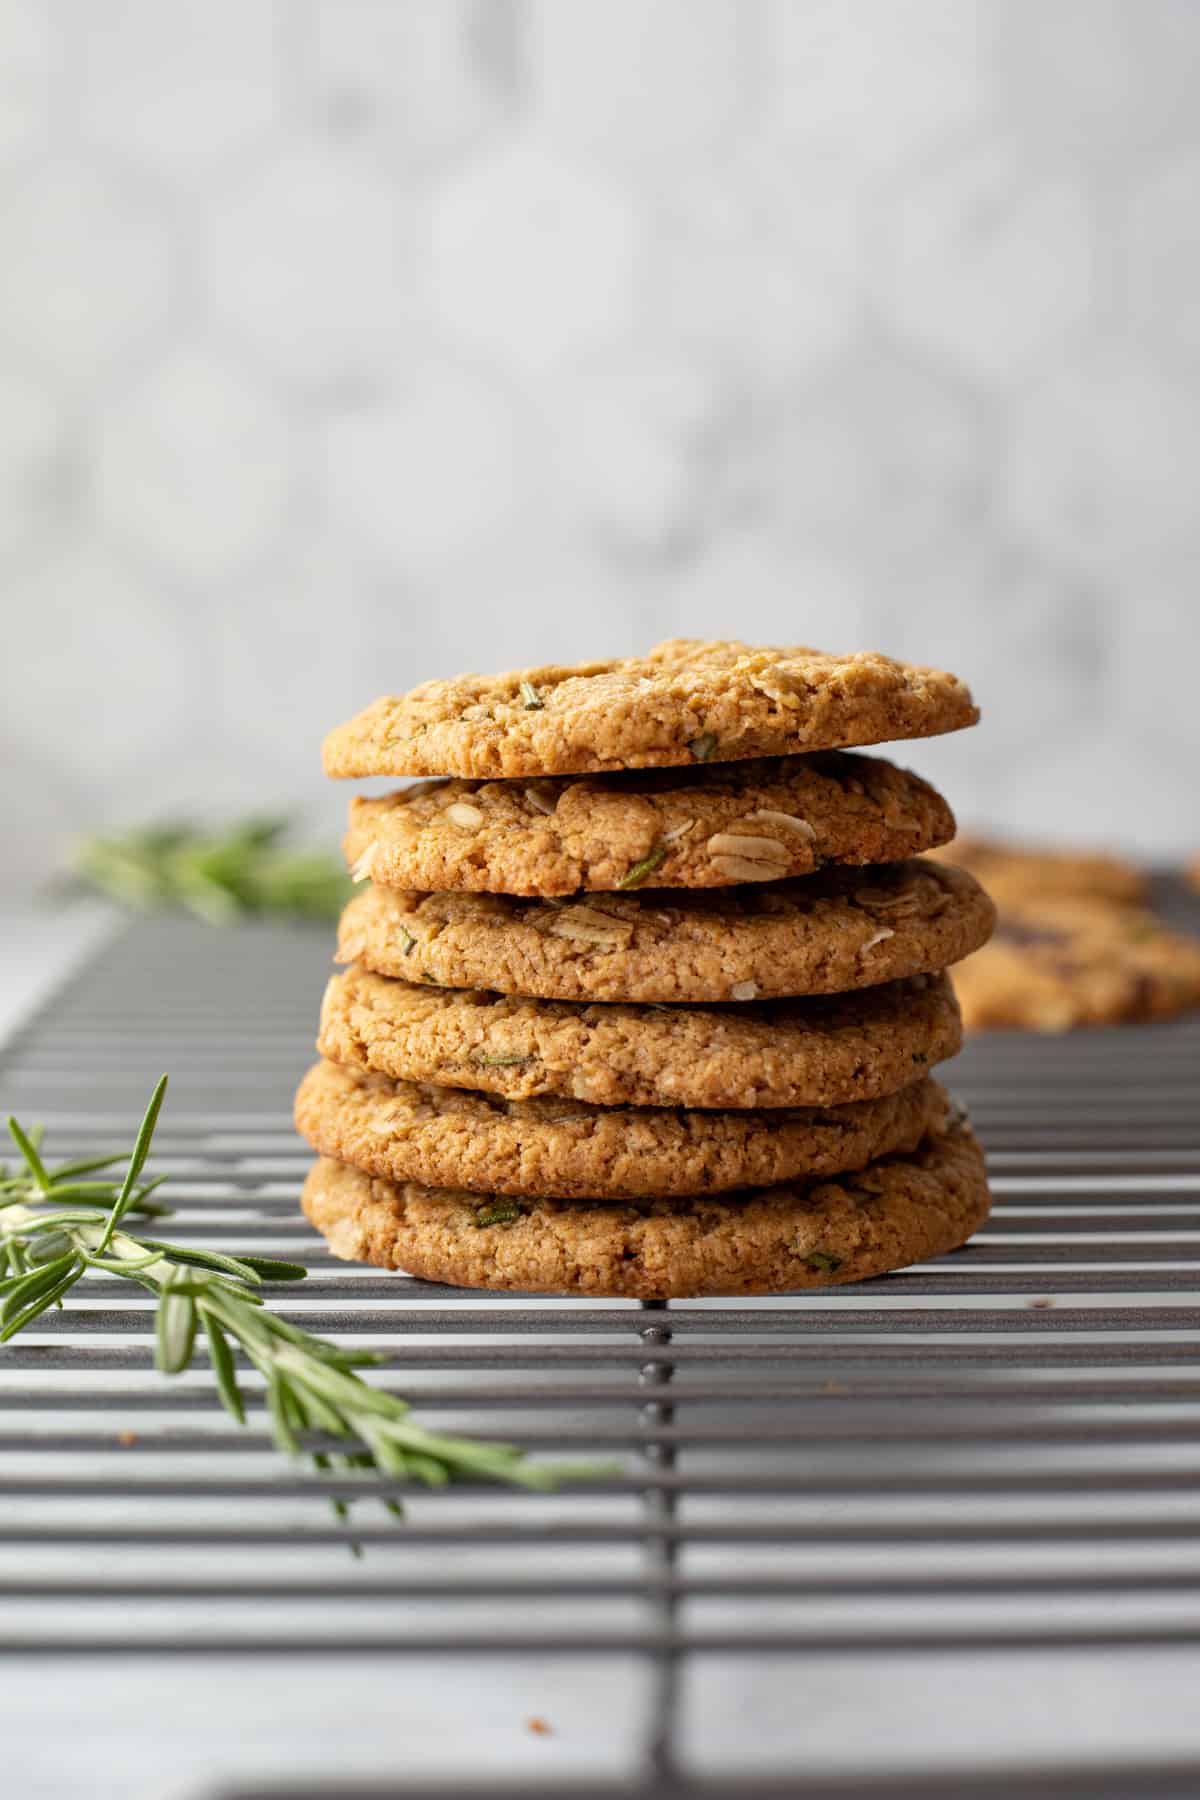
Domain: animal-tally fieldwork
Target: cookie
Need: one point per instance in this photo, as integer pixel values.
(1062, 963)
(736, 822)
(900, 1210)
(821, 1051)
(688, 701)
(1025, 872)
(445, 1137)
(824, 934)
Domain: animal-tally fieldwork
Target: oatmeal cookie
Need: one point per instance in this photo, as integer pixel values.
(819, 1051)
(447, 1137)
(688, 702)
(823, 934)
(761, 820)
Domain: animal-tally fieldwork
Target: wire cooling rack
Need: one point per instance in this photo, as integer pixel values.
(934, 1534)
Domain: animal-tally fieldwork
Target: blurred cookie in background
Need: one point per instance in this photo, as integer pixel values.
(1057, 963)
(1026, 872)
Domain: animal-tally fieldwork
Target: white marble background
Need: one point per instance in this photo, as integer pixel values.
(345, 342)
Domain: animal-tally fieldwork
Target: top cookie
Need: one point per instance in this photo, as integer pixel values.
(759, 820)
(1021, 873)
(688, 701)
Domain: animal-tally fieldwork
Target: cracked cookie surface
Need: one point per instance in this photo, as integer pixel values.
(828, 933)
(820, 1051)
(688, 701)
(900, 1210)
(762, 820)
(447, 1137)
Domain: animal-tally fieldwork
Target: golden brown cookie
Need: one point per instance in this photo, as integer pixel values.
(824, 934)
(735, 822)
(688, 701)
(1021, 872)
(900, 1210)
(821, 1051)
(445, 1137)
(1059, 963)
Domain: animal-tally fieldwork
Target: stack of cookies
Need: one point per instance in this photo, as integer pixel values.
(645, 991)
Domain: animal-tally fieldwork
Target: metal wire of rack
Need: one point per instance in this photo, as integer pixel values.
(995, 1457)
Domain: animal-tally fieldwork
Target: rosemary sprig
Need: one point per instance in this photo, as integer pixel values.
(219, 876)
(59, 1225)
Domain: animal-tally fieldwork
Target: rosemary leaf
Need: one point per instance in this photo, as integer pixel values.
(31, 1287)
(141, 1150)
(67, 1171)
(44, 1301)
(26, 1146)
(497, 1212)
(641, 871)
(271, 1269)
(176, 1335)
(224, 1369)
(823, 1263)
